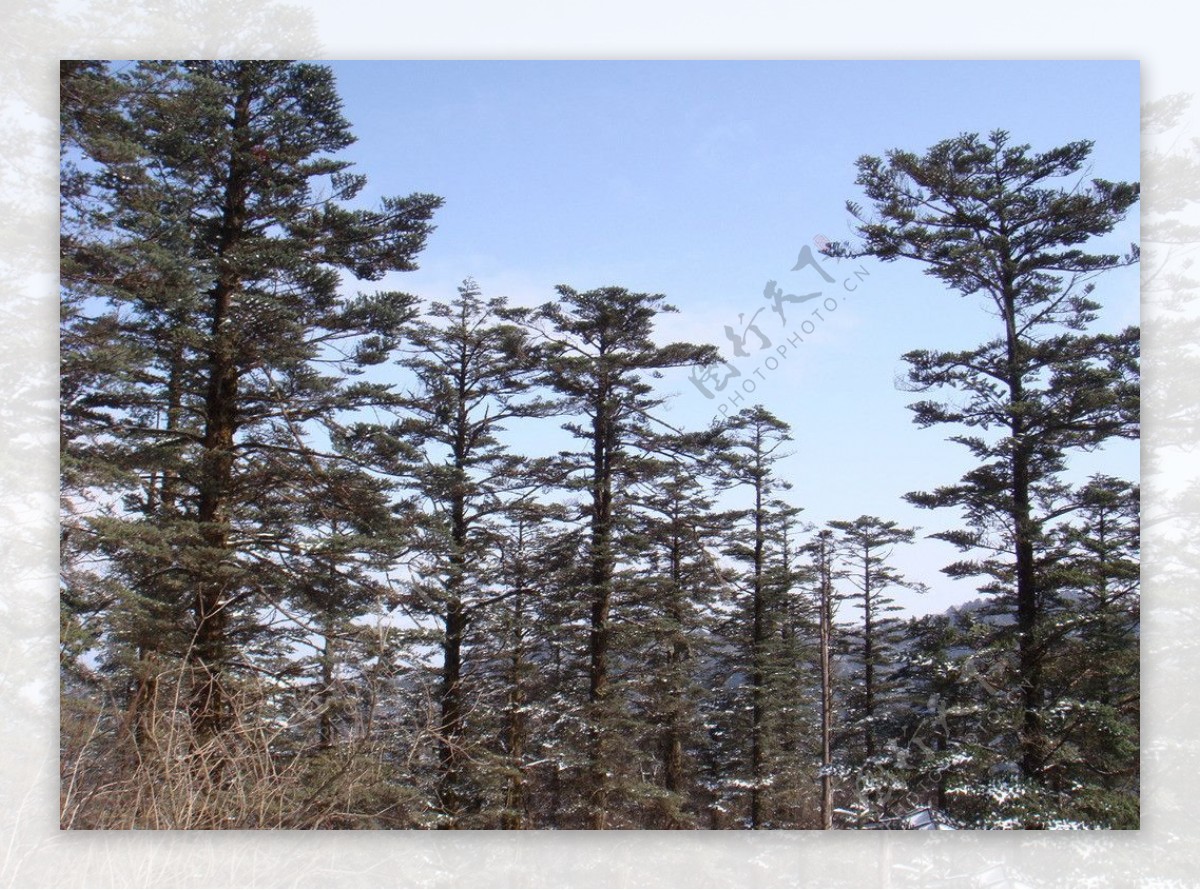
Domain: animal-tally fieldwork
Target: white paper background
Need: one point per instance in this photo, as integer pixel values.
(34, 853)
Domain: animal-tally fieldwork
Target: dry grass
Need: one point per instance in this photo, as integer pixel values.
(150, 771)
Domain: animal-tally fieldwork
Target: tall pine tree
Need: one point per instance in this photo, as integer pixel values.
(752, 449)
(221, 234)
(600, 353)
(985, 216)
(865, 546)
(474, 375)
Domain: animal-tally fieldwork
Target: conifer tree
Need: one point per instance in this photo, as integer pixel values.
(865, 545)
(957, 705)
(671, 593)
(988, 217)
(113, 360)
(1093, 676)
(600, 351)
(821, 550)
(473, 370)
(751, 450)
(218, 253)
(517, 641)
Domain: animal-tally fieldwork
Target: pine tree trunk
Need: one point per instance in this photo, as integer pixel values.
(450, 728)
(209, 649)
(672, 744)
(144, 700)
(326, 728)
(1029, 659)
(1027, 623)
(601, 591)
(942, 782)
(516, 731)
(169, 482)
(826, 622)
(758, 672)
(868, 662)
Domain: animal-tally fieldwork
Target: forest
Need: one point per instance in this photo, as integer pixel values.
(312, 578)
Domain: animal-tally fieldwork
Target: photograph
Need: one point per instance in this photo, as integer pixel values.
(600, 445)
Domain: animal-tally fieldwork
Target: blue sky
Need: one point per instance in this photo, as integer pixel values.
(702, 181)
